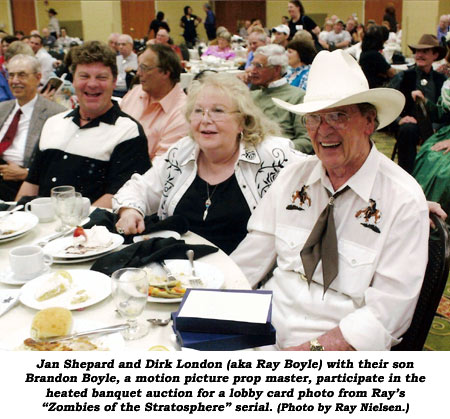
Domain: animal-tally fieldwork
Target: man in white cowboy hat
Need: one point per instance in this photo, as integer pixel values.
(421, 77)
(348, 272)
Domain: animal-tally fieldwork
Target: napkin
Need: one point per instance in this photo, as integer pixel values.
(105, 218)
(8, 299)
(148, 251)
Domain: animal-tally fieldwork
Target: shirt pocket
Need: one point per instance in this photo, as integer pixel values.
(289, 242)
(356, 269)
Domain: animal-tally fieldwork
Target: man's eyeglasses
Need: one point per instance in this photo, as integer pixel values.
(259, 66)
(215, 114)
(145, 68)
(22, 75)
(336, 119)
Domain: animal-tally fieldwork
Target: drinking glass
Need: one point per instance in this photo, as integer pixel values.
(60, 197)
(129, 292)
(71, 210)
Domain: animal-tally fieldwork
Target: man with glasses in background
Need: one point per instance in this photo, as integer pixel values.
(267, 72)
(158, 102)
(21, 122)
(338, 225)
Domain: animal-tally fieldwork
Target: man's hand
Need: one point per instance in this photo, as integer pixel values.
(407, 120)
(130, 221)
(333, 340)
(13, 171)
(417, 94)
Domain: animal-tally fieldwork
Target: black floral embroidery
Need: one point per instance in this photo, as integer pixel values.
(249, 154)
(267, 173)
(173, 171)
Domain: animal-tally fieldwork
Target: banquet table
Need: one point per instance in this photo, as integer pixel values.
(15, 324)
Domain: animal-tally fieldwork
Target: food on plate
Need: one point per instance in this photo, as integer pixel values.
(9, 225)
(80, 297)
(96, 238)
(79, 344)
(58, 283)
(79, 231)
(176, 290)
(53, 321)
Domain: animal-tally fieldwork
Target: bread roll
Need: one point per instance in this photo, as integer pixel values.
(53, 321)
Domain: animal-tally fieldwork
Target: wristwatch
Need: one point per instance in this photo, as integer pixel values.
(314, 345)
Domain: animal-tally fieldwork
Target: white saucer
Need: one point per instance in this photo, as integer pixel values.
(8, 277)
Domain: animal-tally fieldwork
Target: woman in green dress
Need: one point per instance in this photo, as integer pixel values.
(432, 167)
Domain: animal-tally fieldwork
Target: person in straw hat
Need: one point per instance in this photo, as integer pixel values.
(421, 77)
(337, 225)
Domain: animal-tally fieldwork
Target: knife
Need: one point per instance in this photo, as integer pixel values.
(101, 331)
(55, 236)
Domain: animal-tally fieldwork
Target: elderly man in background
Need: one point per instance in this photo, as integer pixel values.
(421, 77)
(338, 225)
(267, 73)
(45, 59)
(281, 35)
(113, 38)
(163, 38)
(21, 122)
(158, 102)
(95, 147)
(126, 63)
(257, 38)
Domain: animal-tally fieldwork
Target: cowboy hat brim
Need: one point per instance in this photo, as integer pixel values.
(388, 102)
(439, 49)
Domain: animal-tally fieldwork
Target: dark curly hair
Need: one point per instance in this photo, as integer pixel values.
(94, 52)
(305, 49)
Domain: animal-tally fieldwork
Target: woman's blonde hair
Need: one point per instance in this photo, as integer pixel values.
(255, 125)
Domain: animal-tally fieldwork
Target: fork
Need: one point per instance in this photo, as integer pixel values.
(194, 280)
(170, 275)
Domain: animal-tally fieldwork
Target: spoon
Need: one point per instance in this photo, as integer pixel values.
(159, 322)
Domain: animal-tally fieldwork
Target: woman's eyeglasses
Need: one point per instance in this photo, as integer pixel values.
(215, 114)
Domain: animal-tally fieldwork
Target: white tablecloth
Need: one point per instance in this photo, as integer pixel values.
(20, 316)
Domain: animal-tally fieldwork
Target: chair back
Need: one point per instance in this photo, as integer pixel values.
(433, 286)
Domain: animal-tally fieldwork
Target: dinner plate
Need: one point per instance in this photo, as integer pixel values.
(110, 342)
(96, 285)
(163, 234)
(56, 248)
(211, 276)
(24, 222)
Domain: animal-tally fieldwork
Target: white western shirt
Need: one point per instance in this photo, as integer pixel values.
(381, 264)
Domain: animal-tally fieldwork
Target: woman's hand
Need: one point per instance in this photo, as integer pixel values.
(443, 145)
(130, 221)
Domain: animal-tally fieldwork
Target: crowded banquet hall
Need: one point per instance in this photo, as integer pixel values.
(151, 197)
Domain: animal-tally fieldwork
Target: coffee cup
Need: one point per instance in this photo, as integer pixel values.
(43, 209)
(27, 262)
(86, 205)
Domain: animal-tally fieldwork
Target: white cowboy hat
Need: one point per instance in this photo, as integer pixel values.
(336, 79)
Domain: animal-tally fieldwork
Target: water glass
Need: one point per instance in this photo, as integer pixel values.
(130, 292)
(72, 210)
(60, 196)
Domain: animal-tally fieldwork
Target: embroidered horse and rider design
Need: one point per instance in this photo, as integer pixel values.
(302, 197)
(368, 213)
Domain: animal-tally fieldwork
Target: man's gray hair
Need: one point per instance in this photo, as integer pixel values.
(16, 48)
(128, 39)
(276, 55)
(28, 60)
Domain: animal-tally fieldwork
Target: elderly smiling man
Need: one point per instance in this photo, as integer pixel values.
(339, 225)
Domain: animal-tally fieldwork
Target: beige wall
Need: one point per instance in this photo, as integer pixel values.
(100, 18)
(173, 11)
(444, 7)
(419, 17)
(5, 16)
(67, 10)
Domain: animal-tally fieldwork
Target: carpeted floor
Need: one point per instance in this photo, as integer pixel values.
(439, 335)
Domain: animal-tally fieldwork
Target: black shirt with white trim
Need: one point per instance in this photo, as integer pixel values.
(96, 159)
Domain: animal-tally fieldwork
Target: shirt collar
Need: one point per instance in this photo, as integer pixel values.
(27, 109)
(361, 182)
(109, 117)
(247, 152)
(277, 83)
(168, 101)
